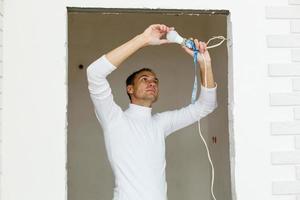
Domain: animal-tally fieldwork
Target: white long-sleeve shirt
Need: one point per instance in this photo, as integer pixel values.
(135, 139)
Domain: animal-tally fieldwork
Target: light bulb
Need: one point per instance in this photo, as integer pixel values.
(174, 37)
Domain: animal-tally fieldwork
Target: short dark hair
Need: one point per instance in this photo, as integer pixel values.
(131, 77)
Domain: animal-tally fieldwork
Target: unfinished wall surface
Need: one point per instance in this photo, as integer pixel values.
(263, 95)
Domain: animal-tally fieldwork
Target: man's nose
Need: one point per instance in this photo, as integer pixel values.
(152, 83)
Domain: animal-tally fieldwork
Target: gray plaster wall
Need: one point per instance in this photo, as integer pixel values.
(91, 34)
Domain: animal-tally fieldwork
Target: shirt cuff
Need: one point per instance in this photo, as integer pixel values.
(103, 66)
(208, 95)
(209, 89)
(108, 62)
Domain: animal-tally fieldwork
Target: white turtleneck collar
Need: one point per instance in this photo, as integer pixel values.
(139, 111)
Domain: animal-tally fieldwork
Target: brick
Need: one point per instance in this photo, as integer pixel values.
(283, 172)
(295, 26)
(286, 187)
(1, 52)
(1, 68)
(298, 172)
(1, 162)
(282, 12)
(284, 41)
(1, 22)
(284, 69)
(285, 128)
(283, 197)
(294, 2)
(1, 38)
(297, 113)
(1, 8)
(285, 157)
(295, 55)
(285, 99)
(282, 143)
(297, 142)
(296, 84)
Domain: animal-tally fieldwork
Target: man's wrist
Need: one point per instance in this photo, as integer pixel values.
(207, 64)
(141, 40)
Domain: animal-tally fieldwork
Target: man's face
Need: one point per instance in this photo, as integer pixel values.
(145, 87)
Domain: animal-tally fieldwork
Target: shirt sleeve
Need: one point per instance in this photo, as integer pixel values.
(105, 108)
(173, 120)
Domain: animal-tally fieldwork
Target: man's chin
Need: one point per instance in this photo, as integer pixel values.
(153, 98)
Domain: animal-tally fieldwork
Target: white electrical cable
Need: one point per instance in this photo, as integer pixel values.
(173, 36)
(207, 150)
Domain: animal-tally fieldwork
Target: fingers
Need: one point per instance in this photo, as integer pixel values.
(164, 41)
(163, 28)
(197, 44)
(203, 46)
(200, 45)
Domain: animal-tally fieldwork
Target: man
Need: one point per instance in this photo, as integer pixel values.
(134, 138)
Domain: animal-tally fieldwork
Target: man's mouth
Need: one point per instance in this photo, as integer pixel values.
(151, 91)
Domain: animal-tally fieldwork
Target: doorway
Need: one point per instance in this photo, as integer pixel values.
(93, 32)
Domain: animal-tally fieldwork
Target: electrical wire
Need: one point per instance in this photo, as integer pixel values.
(199, 127)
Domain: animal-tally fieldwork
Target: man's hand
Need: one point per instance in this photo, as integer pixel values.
(154, 33)
(202, 49)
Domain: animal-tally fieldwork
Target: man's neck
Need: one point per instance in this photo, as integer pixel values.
(142, 103)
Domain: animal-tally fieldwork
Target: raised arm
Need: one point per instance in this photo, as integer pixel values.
(206, 73)
(205, 104)
(151, 36)
(105, 107)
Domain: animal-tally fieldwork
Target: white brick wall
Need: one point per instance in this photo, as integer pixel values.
(1, 76)
(296, 84)
(280, 69)
(285, 158)
(290, 40)
(285, 128)
(295, 26)
(295, 55)
(297, 113)
(283, 12)
(294, 2)
(285, 99)
(286, 187)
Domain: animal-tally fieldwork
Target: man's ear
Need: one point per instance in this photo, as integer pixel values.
(130, 89)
